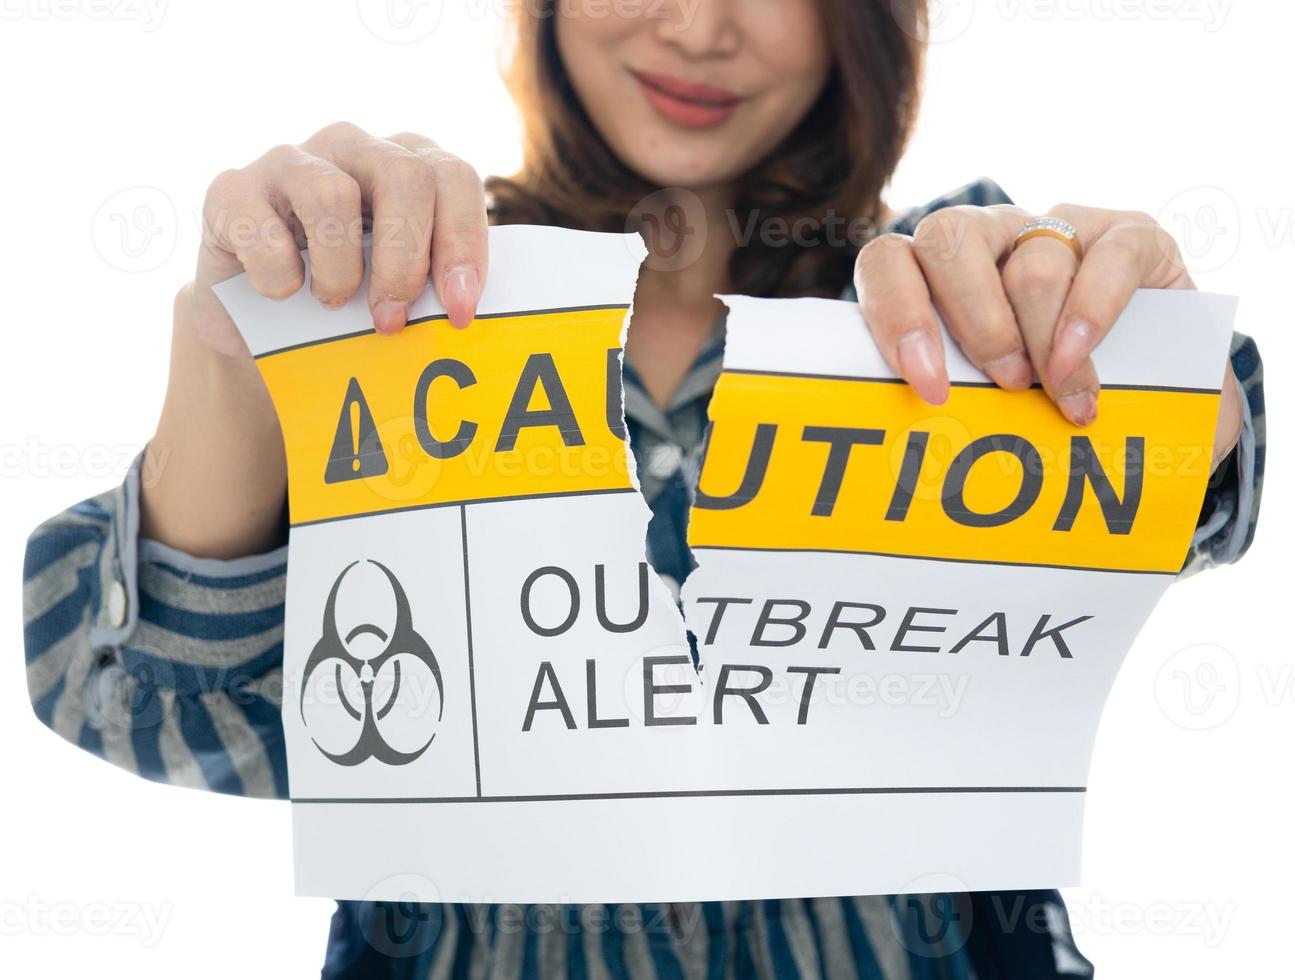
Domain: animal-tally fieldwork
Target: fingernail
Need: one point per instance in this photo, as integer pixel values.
(921, 366)
(1072, 345)
(1012, 371)
(389, 315)
(460, 294)
(1080, 407)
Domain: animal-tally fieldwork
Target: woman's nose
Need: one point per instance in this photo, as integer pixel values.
(701, 28)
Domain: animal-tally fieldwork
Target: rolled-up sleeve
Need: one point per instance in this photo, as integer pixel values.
(1231, 510)
(164, 664)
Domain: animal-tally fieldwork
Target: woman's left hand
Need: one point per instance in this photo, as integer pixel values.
(1017, 313)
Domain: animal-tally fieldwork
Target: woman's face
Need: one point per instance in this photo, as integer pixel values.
(693, 93)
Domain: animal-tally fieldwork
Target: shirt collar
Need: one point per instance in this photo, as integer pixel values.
(697, 383)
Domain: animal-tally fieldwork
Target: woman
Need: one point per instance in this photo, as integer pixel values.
(155, 611)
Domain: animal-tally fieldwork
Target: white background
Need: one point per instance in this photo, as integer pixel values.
(1177, 107)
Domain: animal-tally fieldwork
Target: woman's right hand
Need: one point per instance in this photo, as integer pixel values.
(425, 207)
(215, 476)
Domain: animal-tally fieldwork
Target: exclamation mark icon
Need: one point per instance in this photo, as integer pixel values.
(357, 451)
(355, 435)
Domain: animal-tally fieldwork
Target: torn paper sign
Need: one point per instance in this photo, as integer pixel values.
(907, 617)
(910, 616)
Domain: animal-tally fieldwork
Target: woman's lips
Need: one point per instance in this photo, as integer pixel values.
(688, 104)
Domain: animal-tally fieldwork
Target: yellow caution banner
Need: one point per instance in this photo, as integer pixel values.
(849, 465)
(513, 406)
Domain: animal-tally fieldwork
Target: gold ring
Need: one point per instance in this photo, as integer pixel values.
(1062, 231)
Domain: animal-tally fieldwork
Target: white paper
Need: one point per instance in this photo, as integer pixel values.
(644, 781)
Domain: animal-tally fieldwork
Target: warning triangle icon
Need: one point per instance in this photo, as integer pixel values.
(357, 452)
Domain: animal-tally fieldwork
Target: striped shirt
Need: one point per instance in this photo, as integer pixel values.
(170, 666)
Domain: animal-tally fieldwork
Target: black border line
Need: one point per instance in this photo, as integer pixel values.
(959, 561)
(463, 503)
(703, 793)
(441, 316)
(958, 384)
(472, 673)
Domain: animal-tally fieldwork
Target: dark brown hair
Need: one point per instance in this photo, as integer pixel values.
(832, 167)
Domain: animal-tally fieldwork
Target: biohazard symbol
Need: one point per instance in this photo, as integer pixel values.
(357, 451)
(402, 640)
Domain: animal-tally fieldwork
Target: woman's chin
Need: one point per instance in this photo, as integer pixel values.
(686, 170)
